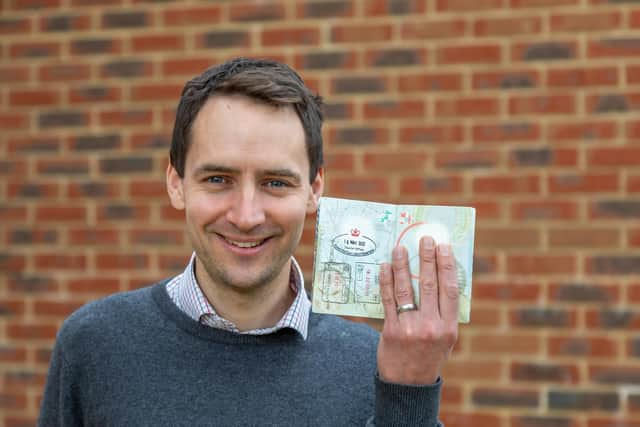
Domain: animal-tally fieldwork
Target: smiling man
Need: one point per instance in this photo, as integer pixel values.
(231, 340)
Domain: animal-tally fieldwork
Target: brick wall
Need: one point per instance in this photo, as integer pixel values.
(525, 109)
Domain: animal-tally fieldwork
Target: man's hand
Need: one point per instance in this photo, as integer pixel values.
(415, 344)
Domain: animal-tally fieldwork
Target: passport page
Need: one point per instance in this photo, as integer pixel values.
(354, 237)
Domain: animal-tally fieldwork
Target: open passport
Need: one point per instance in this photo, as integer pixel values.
(354, 237)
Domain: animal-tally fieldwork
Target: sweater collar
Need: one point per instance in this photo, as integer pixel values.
(187, 294)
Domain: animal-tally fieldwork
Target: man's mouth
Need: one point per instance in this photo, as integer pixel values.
(245, 244)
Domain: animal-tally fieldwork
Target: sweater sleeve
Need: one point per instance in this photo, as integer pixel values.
(406, 405)
(60, 403)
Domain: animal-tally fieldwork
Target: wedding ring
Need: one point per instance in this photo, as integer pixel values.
(406, 307)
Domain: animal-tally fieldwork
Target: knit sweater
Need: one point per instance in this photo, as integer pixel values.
(135, 359)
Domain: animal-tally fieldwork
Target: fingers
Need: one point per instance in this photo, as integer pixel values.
(428, 282)
(447, 284)
(387, 294)
(402, 276)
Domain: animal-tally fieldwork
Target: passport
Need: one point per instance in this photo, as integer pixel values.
(354, 237)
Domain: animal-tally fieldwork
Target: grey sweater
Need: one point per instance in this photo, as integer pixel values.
(135, 359)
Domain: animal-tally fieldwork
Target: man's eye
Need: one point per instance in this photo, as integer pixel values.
(276, 183)
(216, 180)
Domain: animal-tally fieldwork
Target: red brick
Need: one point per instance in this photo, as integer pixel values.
(60, 309)
(506, 132)
(544, 210)
(506, 79)
(12, 354)
(94, 285)
(15, 25)
(60, 213)
(509, 26)
(394, 109)
(13, 121)
(94, 94)
(93, 236)
(169, 213)
(122, 212)
(466, 6)
(390, 7)
(432, 185)
(156, 92)
(147, 188)
(156, 237)
(634, 19)
(543, 50)
(362, 33)
(506, 291)
(589, 21)
(618, 156)
(582, 77)
(126, 118)
(344, 161)
(10, 307)
(507, 237)
(469, 54)
(60, 262)
(613, 48)
(486, 209)
(613, 318)
(64, 72)
(581, 238)
(247, 12)
(541, 264)
(591, 130)
(185, 15)
(506, 184)
(585, 292)
(436, 134)
(290, 37)
(157, 42)
(356, 135)
(395, 57)
(467, 107)
(499, 344)
(14, 73)
(633, 184)
(35, 4)
(540, 104)
(472, 370)
(373, 188)
(435, 82)
(587, 183)
(467, 159)
(61, 23)
(35, 50)
(406, 162)
(432, 29)
(31, 331)
(186, 66)
(119, 261)
(13, 400)
(28, 189)
(519, 4)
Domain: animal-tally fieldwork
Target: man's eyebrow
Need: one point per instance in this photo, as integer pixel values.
(211, 168)
(284, 173)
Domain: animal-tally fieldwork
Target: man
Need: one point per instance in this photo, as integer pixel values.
(231, 340)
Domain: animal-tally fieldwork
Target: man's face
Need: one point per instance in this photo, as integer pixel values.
(245, 192)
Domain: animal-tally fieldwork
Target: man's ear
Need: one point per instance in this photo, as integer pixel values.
(174, 188)
(317, 186)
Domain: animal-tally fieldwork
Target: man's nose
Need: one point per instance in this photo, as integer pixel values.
(246, 211)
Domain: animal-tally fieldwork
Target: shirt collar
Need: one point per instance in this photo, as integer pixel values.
(188, 296)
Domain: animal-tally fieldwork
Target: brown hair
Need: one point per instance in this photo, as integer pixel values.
(264, 80)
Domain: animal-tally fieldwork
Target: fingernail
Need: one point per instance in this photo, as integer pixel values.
(445, 250)
(428, 243)
(398, 252)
